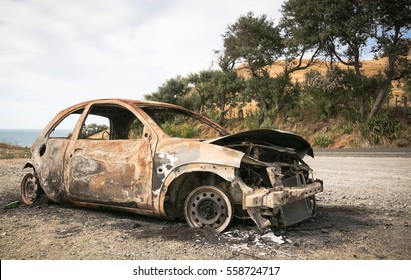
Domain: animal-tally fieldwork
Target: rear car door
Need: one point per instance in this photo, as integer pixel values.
(110, 161)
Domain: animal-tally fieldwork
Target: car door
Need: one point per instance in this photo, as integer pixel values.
(50, 152)
(110, 161)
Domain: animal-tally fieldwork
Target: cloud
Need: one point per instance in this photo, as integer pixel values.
(56, 53)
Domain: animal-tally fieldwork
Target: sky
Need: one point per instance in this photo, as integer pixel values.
(57, 53)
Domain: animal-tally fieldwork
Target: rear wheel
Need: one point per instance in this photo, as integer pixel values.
(29, 189)
(208, 206)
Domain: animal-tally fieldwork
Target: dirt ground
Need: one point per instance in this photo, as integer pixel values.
(363, 213)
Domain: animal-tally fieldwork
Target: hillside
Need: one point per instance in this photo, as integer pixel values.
(370, 67)
(336, 133)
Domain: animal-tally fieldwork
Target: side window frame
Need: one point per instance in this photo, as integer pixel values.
(79, 112)
(116, 122)
(92, 130)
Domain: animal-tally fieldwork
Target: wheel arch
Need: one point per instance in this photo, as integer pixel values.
(29, 164)
(184, 179)
(33, 166)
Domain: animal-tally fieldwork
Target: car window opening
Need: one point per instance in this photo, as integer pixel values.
(105, 122)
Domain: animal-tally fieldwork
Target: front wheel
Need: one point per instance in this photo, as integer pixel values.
(29, 189)
(311, 205)
(208, 206)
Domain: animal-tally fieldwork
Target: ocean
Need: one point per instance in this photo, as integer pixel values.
(19, 137)
(26, 137)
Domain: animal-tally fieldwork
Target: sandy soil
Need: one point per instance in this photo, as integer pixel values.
(363, 213)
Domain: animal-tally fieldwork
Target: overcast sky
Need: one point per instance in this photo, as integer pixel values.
(56, 53)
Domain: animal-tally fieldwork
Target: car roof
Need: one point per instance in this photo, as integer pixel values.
(139, 103)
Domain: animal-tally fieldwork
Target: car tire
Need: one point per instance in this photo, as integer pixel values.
(29, 189)
(209, 206)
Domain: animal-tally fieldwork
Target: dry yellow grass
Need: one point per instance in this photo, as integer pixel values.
(369, 68)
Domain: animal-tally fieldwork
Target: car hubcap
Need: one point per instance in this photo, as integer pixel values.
(208, 206)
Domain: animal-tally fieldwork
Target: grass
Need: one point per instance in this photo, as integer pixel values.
(9, 151)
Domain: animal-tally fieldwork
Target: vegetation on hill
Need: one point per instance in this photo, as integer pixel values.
(8, 151)
(307, 74)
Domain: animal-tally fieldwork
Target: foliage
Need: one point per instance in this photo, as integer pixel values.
(392, 20)
(251, 122)
(94, 128)
(323, 140)
(335, 93)
(254, 41)
(381, 130)
(181, 130)
(257, 43)
(172, 91)
(379, 25)
(216, 88)
(348, 128)
(328, 90)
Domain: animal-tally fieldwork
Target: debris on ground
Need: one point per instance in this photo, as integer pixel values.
(13, 204)
(242, 239)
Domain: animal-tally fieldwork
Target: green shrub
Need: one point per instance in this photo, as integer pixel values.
(323, 140)
(348, 128)
(181, 130)
(251, 122)
(381, 130)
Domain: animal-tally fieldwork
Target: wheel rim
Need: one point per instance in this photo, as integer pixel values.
(29, 189)
(311, 204)
(208, 206)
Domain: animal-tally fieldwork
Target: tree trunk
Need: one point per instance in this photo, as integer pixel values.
(263, 110)
(360, 94)
(383, 90)
(223, 111)
(389, 72)
(382, 93)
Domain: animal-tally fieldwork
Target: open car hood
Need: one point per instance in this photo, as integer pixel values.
(281, 139)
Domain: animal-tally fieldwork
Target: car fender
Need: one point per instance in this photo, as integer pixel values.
(174, 158)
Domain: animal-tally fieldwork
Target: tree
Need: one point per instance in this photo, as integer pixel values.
(255, 42)
(301, 25)
(337, 28)
(216, 89)
(202, 86)
(392, 20)
(228, 86)
(172, 91)
(348, 40)
(328, 89)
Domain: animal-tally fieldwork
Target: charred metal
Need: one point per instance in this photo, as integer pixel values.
(162, 160)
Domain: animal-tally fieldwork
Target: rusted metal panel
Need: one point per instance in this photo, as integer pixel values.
(262, 197)
(110, 172)
(50, 158)
(172, 154)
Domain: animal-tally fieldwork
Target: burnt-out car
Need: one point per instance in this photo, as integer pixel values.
(162, 160)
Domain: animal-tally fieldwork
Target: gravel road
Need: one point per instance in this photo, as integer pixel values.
(363, 213)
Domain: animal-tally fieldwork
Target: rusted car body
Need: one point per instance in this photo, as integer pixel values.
(163, 160)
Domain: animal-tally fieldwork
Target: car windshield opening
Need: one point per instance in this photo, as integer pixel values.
(183, 124)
